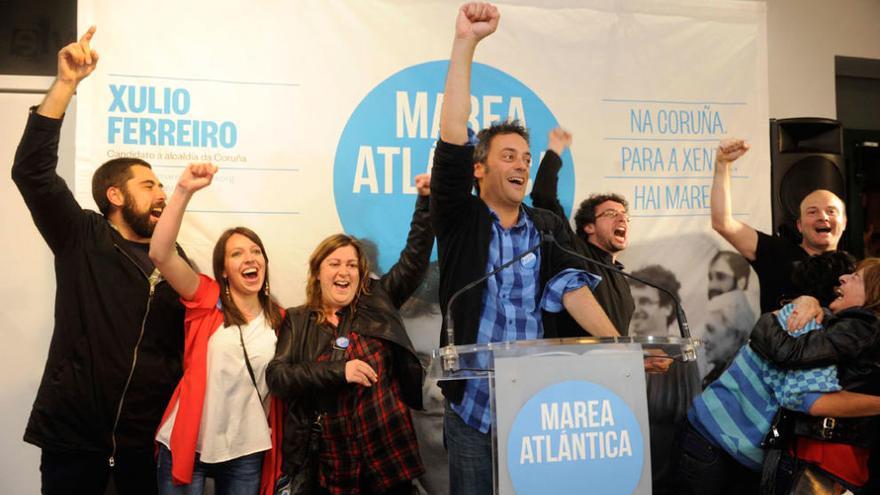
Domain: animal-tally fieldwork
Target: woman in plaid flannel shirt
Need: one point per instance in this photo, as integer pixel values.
(345, 355)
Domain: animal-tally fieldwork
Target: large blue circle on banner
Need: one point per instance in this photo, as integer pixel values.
(390, 137)
(575, 437)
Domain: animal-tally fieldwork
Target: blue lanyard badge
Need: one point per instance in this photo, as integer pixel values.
(528, 260)
(341, 343)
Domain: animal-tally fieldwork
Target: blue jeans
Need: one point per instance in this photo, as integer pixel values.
(470, 456)
(240, 476)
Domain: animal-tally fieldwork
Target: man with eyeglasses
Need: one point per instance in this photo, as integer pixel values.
(601, 227)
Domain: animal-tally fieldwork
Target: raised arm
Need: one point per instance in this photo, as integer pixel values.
(163, 251)
(741, 236)
(407, 274)
(50, 201)
(474, 22)
(452, 176)
(545, 188)
(75, 62)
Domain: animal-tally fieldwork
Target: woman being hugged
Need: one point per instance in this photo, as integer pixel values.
(345, 360)
(837, 440)
(216, 423)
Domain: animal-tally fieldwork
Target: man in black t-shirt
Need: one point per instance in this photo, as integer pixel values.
(821, 221)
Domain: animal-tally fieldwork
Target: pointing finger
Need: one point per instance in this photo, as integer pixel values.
(84, 43)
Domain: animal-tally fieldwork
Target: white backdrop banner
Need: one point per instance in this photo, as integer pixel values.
(320, 113)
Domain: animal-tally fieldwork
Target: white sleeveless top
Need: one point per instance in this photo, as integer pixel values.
(233, 419)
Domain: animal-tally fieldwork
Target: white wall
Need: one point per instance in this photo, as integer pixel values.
(803, 38)
(27, 290)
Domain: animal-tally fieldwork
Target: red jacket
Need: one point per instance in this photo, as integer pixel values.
(203, 318)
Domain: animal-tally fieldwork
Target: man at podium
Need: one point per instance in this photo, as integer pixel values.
(477, 234)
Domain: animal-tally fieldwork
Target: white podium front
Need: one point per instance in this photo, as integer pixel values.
(580, 415)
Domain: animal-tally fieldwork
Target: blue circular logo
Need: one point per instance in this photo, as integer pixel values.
(390, 138)
(573, 435)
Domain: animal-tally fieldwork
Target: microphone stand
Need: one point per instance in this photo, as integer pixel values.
(450, 355)
(683, 327)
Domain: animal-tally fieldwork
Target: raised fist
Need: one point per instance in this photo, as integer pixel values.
(476, 21)
(558, 140)
(423, 184)
(731, 149)
(196, 176)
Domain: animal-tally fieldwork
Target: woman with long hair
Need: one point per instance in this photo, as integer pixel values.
(216, 423)
(722, 440)
(822, 448)
(348, 372)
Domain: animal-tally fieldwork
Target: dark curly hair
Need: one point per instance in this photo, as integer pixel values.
(818, 276)
(586, 212)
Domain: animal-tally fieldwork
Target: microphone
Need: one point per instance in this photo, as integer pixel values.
(450, 355)
(683, 327)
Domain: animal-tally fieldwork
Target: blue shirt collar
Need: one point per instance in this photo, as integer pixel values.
(522, 219)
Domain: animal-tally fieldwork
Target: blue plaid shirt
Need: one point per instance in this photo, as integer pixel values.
(511, 308)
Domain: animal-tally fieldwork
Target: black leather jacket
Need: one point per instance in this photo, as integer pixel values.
(296, 377)
(850, 340)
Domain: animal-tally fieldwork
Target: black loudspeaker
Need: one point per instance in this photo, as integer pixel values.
(805, 154)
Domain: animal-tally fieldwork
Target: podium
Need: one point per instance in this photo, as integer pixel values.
(580, 415)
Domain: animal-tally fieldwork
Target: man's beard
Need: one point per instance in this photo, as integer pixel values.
(140, 223)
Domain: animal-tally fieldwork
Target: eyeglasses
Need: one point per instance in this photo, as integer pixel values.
(613, 214)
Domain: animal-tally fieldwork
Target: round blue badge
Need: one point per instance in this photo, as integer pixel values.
(390, 138)
(528, 260)
(573, 435)
(342, 342)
